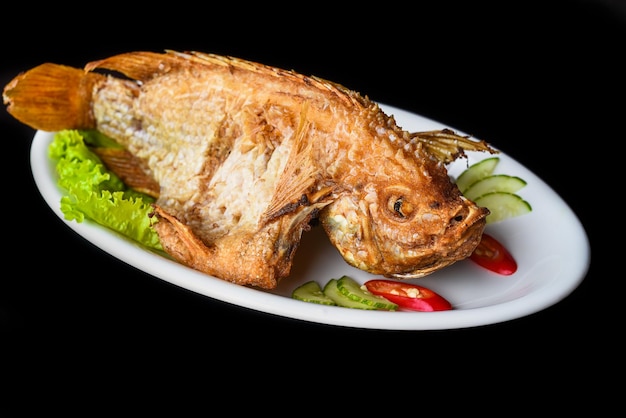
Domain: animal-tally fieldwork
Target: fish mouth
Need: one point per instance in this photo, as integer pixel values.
(461, 249)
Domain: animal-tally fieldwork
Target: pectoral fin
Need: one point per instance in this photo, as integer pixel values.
(297, 185)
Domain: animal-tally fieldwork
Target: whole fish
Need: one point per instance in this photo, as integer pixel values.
(242, 157)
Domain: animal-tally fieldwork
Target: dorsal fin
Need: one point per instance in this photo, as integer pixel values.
(141, 65)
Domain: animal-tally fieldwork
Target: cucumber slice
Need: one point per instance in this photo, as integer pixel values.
(311, 292)
(351, 289)
(503, 205)
(332, 291)
(475, 172)
(494, 183)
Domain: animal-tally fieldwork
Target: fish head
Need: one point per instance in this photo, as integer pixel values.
(406, 224)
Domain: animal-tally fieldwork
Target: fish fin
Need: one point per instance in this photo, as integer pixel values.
(238, 259)
(141, 65)
(51, 97)
(128, 168)
(298, 179)
(179, 241)
(447, 146)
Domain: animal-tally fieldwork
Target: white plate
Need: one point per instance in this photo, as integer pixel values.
(549, 244)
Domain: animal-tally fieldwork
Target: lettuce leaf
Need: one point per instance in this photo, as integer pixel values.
(97, 194)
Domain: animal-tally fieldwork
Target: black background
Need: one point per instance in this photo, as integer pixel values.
(542, 81)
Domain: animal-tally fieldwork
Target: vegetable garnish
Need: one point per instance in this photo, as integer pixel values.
(353, 295)
(345, 292)
(408, 296)
(312, 292)
(95, 193)
(379, 294)
(494, 256)
(497, 192)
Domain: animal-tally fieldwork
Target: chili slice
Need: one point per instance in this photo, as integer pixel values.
(408, 296)
(492, 255)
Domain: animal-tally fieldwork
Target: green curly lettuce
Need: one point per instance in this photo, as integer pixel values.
(95, 193)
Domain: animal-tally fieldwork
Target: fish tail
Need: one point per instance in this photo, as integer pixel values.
(52, 97)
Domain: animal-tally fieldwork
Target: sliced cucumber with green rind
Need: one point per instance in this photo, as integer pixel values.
(351, 289)
(475, 172)
(332, 291)
(312, 292)
(494, 183)
(503, 205)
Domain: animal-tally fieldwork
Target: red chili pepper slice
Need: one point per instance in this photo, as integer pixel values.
(408, 296)
(492, 255)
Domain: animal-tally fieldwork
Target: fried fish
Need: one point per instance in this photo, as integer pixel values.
(243, 156)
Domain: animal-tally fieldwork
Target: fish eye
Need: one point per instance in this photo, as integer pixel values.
(400, 206)
(397, 207)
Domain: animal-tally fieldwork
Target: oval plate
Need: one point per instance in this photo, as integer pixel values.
(549, 244)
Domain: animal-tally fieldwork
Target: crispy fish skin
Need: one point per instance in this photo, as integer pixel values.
(245, 155)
